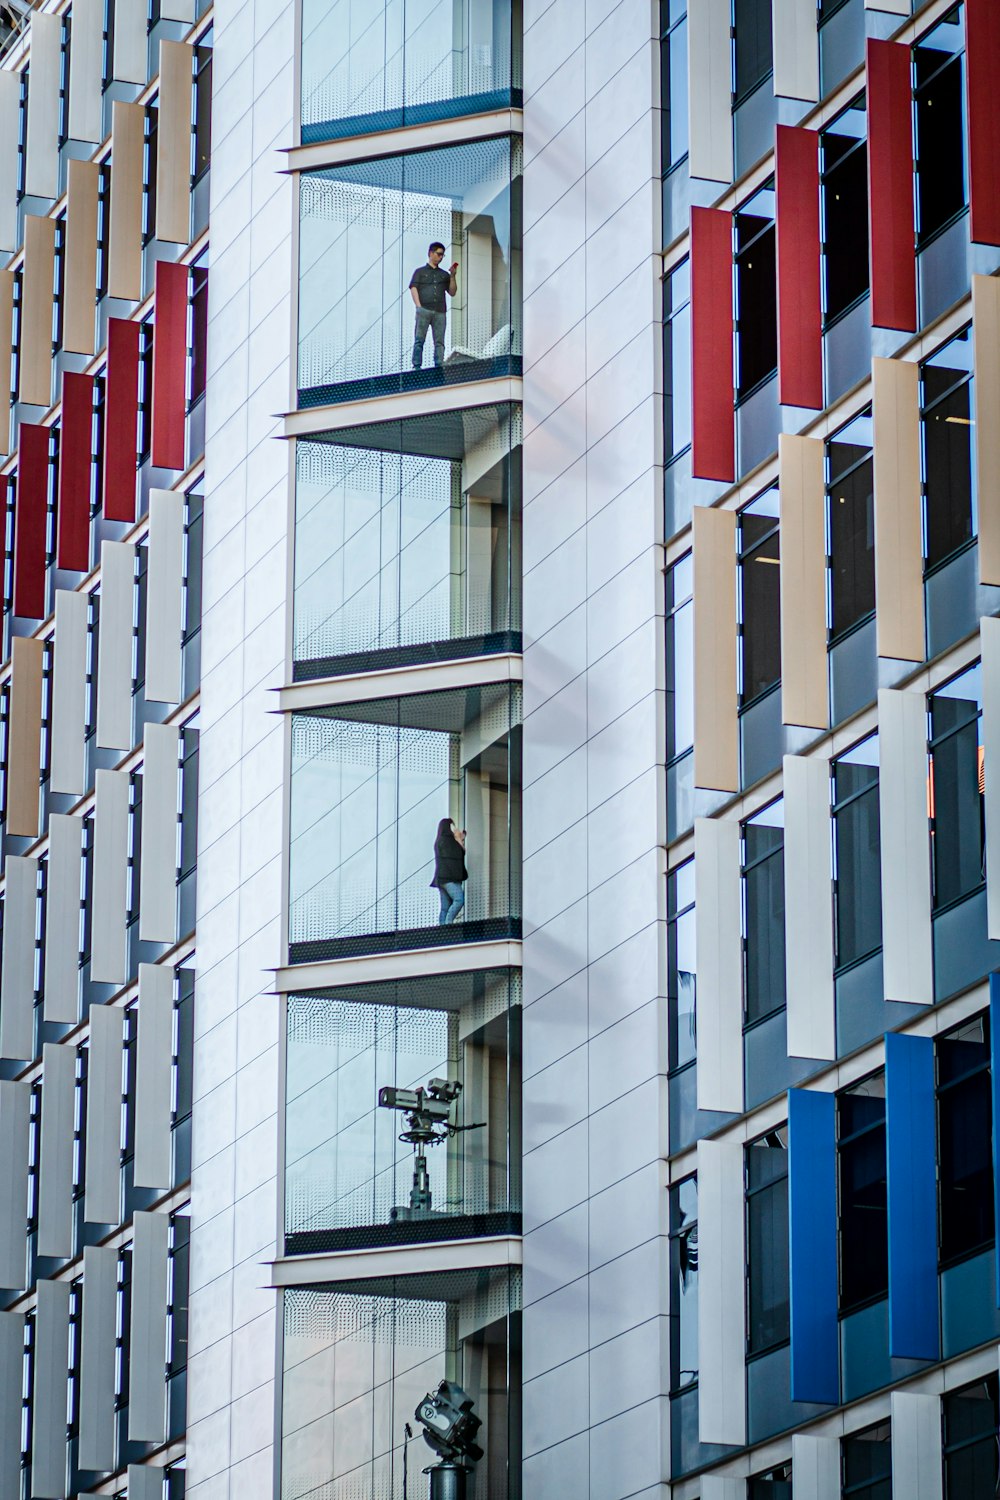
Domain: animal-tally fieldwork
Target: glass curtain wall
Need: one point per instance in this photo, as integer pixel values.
(366, 229)
(408, 542)
(378, 64)
(351, 1179)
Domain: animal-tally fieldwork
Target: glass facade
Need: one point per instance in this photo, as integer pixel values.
(366, 231)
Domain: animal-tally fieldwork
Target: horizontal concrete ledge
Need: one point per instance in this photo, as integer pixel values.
(396, 1260)
(428, 402)
(410, 963)
(398, 682)
(427, 136)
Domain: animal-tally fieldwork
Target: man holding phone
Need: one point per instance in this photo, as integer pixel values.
(428, 286)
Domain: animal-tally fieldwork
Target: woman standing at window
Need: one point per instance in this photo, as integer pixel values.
(449, 869)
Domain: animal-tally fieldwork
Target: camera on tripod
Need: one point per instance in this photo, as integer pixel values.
(428, 1123)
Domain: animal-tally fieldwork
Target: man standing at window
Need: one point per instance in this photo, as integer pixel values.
(428, 285)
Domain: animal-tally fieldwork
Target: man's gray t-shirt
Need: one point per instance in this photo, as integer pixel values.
(431, 283)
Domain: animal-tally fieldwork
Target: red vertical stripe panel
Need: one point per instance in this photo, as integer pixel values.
(121, 414)
(75, 458)
(713, 397)
(800, 309)
(982, 74)
(891, 247)
(29, 520)
(169, 365)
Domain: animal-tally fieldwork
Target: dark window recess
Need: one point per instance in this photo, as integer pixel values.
(776, 1484)
(145, 389)
(203, 104)
(756, 291)
(764, 913)
(858, 880)
(680, 658)
(152, 121)
(199, 329)
(752, 47)
(844, 154)
(677, 360)
(767, 1241)
(850, 496)
(965, 1125)
(946, 424)
(683, 1202)
(955, 789)
(864, 1246)
(103, 229)
(760, 609)
(971, 1419)
(867, 1463)
(681, 971)
(60, 278)
(940, 138)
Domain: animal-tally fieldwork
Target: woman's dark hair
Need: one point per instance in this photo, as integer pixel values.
(444, 828)
(436, 245)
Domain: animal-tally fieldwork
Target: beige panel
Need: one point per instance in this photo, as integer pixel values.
(25, 736)
(986, 367)
(41, 167)
(173, 144)
(86, 63)
(6, 347)
(10, 108)
(899, 566)
(80, 269)
(129, 63)
(716, 729)
(804, 694)
(35, 365)
(125, 231)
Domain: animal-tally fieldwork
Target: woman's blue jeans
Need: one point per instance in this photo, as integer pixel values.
(452, 900)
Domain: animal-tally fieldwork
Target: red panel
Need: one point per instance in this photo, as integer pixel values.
(75, 457)
(121, 415)
(29, 520)
(713, 397)
(800, 309)
(982, 73)
(169, 365)
(891, 239)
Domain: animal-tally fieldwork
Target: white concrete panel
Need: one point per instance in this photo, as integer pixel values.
(158, 848)
(61, 982)
(41, 170)
(55, 1167)
(905, 848)
(15, 1107)
(110, 882)
(129, 56)
(816, 1467)
(69, 694)
(722, 1487)
(894, 7)
(17, 967)
(11, 1390)
(989, 637)
(114, 646)
(721, 1307)
(916, 1446)
(145, 1481)
(796, 49)
(164, 596)
(102, 1179)
(97, 1359)
(51, 1374)
(153, 1156)
(710, 120)
(811, 1014)
(85, 63)
(10, 106)
(719, 963)
(146, 1387)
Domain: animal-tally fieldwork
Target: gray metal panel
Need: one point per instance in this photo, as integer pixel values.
(145, 1482)
(147, 1366)
(41, 168)
(907, 957)
(11, 1391)
(55, 1166)
(102, 1184)
(158, 848)
(129, 64)
(10, 104)
(15, 1112)
(108, 908)
(61, 985)
(796, 49)
(719, 963)
(69, 694)
(85, 60)
(97, 1359)
(721, 1308)
(816, 1466)
(17, 970)
(710, 118)
(812, 1022)
(164, 596)
(51, 1372)
(894, 7)
(153, 1167)
(916, 1446)
(722, 1487)
(989, 637)
(114, 647)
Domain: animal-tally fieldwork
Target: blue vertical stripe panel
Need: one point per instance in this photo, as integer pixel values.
(995, 1086)
(812, 1234)
(910, 1141)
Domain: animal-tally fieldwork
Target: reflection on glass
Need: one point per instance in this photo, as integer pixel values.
(956, 788)
(764, 911)
(684, 1283)
(359, 1356)
(367, 227)
(682, 981)
(760, 605)
(349, 1178)
(857, 846)
(371, 782)
(376, 64)
(407, 537)
(947, 400)
(851, 509)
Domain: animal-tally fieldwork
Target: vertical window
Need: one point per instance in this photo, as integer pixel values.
(199, 328)
(857, 875)
(150, 135)
(764, 912)
(971, 1418)
(955, 788)
(145, 388)
(680, 696)
(946, 426)
(683, 1284)
(677, 360)
(673, 82)
(767, 1242)
(864, 1245)
(760, 607)
(851, 516)
(939, 60)
(203, 103)
(867, 1464)
(756, 291)
(752, 49)
(844, 158)
(965, 1133)
(776, 1484)
(681, 975)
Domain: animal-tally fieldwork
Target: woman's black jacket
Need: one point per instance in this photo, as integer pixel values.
(449, 861)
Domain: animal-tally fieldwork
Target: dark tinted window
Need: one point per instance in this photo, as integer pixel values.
(681, 975)
(965, 1123)
(673, 86)
(858, 880)
(764, 912)
(971, 1416)
(867, 1461)
(864, 1249)
(851, 508)
(767, 1241)
(940, 144)
(684, 1284)
(756, 291)
(776, 1484)
(845, 209)
(760, 608)
(752, 48)
(946, 394)
(956, 788)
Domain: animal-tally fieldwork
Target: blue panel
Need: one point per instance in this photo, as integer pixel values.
(812, 1235)
(911, 1139)
(995, 1085)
